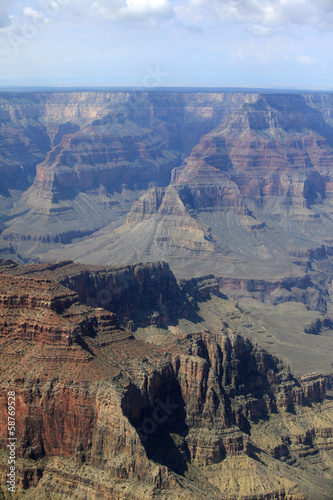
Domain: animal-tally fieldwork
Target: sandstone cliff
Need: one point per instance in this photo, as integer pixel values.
(140, 294)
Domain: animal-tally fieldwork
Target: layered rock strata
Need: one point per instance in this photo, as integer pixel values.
(251, 199)
(87, 156)
(250, 190)
(133, 420)
(140, 294)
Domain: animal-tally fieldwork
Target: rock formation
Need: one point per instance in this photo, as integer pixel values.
(100, 411)
(251, 197)
(138, 294)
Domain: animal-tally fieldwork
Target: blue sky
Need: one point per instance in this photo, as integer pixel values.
(160, 43)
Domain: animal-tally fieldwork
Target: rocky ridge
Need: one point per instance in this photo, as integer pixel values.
(139, 294)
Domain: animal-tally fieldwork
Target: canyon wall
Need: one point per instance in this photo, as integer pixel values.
(140, 294)
(204, 178)
(87, 391)
(233, 184)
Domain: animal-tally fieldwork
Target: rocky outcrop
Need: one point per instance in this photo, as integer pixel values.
(60, 338)
(19, 292)
(199, 289)
(41, 311)
(303, 289)
(215, 392)
(318, 325)
(253, 285)
(139, 295)
(258, 136)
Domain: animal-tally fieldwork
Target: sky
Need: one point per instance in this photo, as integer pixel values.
(159, 43)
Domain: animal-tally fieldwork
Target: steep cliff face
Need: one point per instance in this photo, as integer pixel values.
(277, 148)
(88, 156)
(31, 124)
(285, 137)
(141, 294)
(251, 199)
(99, 411)
(324, 103)
(112, 152)
(60, 343)
(24, 141)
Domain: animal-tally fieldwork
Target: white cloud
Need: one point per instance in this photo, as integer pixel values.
(259, 30)
(38, 18)
(306, 60)
(272, 12)
(276, 50)
(136, 10)
(39, 12)
(254, 52)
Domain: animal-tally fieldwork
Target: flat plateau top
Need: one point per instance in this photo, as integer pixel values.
(247, 90)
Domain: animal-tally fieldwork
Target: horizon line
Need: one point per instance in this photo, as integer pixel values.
(171, 88)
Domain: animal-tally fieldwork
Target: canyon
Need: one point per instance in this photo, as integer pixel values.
(209, 179)
(186, 411)
(166, 298)
(233, 184)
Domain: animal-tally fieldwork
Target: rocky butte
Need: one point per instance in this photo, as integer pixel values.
(166, 294)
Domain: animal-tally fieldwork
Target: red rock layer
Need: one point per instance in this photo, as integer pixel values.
(139, 294)
(277, 146)
(89, 390)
